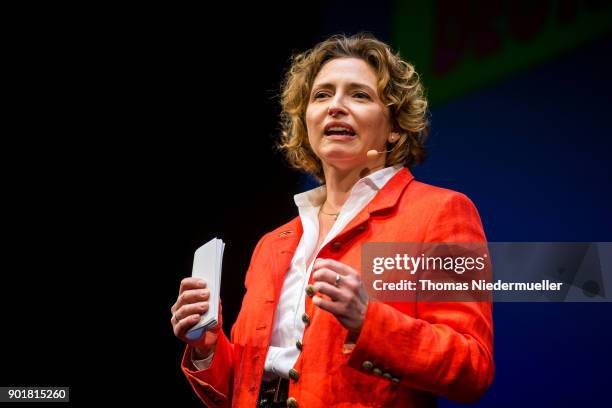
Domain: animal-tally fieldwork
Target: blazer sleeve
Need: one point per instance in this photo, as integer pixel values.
(214, 384)
(447, 349)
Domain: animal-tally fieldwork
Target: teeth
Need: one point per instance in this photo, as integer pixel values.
(338, 129)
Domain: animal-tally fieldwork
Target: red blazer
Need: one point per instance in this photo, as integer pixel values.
(427, 348)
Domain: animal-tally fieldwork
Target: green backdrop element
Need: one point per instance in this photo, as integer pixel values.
(461, 45)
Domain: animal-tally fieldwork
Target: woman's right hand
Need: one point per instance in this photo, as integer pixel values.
(191, 303)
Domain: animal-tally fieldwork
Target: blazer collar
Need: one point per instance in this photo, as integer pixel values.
(386, 198)
(389, 195)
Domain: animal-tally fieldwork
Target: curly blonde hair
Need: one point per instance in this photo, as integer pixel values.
(398, 85)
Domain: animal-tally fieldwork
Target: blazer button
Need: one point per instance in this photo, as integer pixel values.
(294, 375)
(395, 380)
(292, 402)
(298, 344)
(306, 319)
(387, 376)
(310, 290)
(367, 365)
(336, 245)
(377, 371)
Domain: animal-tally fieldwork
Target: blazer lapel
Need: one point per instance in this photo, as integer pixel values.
(284, 243)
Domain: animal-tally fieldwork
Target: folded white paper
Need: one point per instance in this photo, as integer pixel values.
(207, 265)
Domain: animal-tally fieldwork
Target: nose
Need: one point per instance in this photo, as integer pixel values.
(336, 108)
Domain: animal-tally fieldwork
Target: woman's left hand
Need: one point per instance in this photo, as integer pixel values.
(348, 299)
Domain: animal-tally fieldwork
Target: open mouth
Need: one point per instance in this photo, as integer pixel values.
(339, 131)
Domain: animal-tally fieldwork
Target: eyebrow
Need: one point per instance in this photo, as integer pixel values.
(350, 85)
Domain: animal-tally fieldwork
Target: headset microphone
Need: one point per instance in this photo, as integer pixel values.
(373, 154)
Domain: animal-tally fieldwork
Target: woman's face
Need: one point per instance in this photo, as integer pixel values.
(345, 116)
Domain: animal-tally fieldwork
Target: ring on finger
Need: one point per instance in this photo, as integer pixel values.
(337, 281)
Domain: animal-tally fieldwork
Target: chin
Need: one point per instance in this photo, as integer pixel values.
(343, 159)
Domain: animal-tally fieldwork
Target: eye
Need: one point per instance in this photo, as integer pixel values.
(361, 95)
(320, 94)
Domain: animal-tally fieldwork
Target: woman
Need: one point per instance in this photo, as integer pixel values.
(307, 335)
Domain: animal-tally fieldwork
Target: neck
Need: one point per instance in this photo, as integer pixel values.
(339, 182)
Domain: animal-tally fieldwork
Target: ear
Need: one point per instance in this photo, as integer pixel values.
(394, 137)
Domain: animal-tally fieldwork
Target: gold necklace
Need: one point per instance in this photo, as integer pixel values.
(335, 215)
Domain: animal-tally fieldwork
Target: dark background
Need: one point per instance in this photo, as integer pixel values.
(135, 135)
